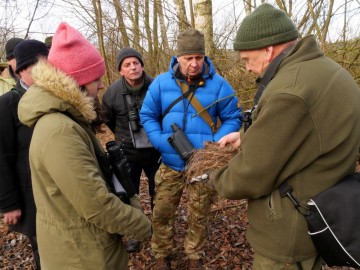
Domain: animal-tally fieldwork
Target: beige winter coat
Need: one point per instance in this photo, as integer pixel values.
(79, 222)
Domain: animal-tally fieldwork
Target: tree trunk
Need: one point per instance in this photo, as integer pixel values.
(247, 6)
(134, 16)
(181, 15)
(148, 29)
(203, 22)
(122, 27)
(164, 38)
(325, 28)
(192, 18)
(156, 37)
(100, 35)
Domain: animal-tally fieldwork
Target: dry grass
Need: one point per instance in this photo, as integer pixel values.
(211, 157)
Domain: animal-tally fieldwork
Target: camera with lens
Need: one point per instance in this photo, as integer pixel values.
(246, 118)
(134, 119)
(180, 142)
(121, 179)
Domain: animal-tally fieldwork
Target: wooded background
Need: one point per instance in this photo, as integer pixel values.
(151, 27)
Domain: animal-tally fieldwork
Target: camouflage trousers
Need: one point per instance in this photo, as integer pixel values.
(169, 186)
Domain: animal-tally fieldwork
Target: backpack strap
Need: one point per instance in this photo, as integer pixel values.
(197, 105)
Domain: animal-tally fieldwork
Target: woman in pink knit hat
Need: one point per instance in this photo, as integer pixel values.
(79, 222)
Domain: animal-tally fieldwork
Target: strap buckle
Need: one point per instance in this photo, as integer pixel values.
(286, 191)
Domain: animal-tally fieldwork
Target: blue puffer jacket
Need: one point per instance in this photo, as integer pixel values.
(164, 90)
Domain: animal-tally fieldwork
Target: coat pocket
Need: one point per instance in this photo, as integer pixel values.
(273, 206)
(104, 238)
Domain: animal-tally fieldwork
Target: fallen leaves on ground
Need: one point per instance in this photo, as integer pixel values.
(226, 248)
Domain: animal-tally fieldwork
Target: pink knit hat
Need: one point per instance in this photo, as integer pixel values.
(76, 56)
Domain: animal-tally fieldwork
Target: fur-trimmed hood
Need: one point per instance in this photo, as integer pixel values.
(54, 91)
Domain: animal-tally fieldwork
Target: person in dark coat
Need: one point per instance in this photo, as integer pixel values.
(16, 196)
(122, 102)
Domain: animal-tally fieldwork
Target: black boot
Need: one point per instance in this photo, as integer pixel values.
(133, 246)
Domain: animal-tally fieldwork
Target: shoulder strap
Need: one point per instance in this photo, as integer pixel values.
(197, 105)
(18, 93)
(174, 103)
(128, 102)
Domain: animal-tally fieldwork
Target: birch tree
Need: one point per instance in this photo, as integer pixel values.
(183, 22)
(121, 24)
(148, 28)
(133, 14)
(164, 38)
(156, 38)
(100, 36)
(204, 23)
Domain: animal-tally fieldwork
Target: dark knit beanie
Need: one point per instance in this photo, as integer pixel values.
(27, 53)
(265, 26)
(190, 41)
(125, 53)
(10, 46)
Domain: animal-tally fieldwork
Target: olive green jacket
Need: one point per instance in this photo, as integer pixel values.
(79, 222)
(306, 131)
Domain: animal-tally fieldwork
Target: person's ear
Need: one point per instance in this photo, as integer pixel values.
(269, 53)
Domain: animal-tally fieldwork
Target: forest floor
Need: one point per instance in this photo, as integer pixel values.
(226, 248)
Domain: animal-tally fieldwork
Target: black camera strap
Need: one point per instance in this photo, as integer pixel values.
(128, 101)
(183, 96)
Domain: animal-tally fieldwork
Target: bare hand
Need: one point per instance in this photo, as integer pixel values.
(12, 217)
(233, 138)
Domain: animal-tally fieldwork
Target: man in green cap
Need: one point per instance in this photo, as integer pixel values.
(305, 130)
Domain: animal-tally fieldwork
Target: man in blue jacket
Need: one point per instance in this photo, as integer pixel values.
(171, 99)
